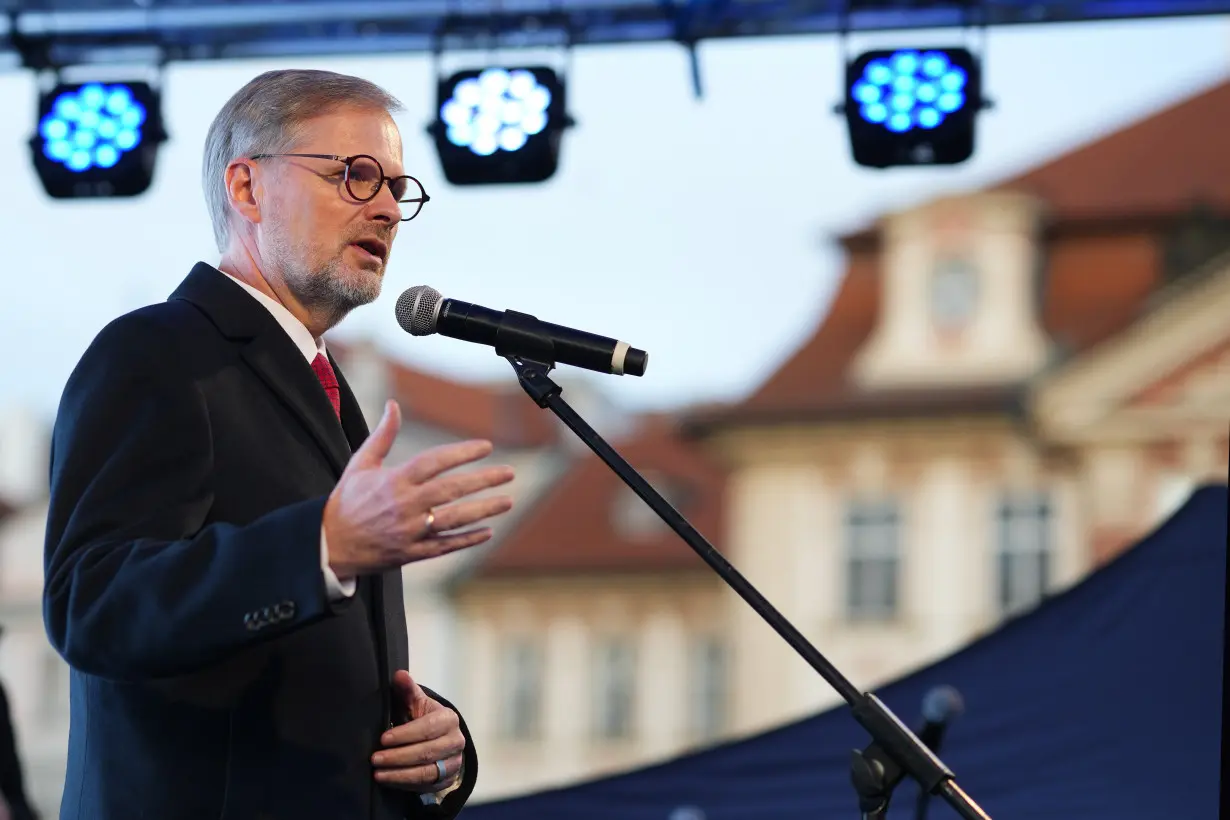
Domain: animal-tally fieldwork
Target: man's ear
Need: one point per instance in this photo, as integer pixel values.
(242, 191)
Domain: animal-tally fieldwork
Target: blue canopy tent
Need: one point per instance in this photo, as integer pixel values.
(1103, 703)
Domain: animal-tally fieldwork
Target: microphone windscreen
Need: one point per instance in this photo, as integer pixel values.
(418, 309)
(942, 704)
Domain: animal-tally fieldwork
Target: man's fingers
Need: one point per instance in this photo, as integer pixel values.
(376, 447)
(420, 778)
(444, 489)
(431, 463)
(412, 749)
(411, 692)
(420, 754)
(403, 680)
(466, 513)
(438, 545)
(432, 726)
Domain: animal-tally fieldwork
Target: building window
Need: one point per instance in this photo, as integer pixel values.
(709, 689)
(873, 562)
(615, 689)
(1024, 543)
(521, 690)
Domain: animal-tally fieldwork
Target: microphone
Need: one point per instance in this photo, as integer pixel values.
(422, 311)
(939, 707)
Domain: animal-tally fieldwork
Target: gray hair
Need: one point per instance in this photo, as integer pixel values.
(264, 117)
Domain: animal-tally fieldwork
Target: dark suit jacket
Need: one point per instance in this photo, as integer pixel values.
(212, 678)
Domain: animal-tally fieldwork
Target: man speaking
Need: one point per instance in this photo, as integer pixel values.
(225, 538)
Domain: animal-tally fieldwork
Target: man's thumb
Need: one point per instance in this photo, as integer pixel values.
(380, 441)
(414, 695)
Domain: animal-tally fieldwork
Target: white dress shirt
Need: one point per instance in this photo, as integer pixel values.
(309, 347)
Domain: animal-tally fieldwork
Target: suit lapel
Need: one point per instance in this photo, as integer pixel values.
(282, 367)
(270, 353)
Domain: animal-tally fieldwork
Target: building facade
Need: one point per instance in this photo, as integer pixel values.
(1010, 387)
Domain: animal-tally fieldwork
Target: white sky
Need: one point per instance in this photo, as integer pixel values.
(698, 230)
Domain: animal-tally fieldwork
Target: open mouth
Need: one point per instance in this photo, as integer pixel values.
(373, 248)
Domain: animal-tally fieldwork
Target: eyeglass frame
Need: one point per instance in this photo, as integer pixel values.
(346, 180)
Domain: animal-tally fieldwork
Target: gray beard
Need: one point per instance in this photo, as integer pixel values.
(325, 292)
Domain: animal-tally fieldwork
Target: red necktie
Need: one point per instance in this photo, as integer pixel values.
(328, 380)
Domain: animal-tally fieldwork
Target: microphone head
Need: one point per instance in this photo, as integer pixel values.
(942, 704)
(418, 309)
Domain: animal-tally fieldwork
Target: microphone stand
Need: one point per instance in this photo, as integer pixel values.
(895, 751)
(920, 808)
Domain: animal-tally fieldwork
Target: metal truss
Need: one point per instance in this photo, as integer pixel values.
(43, 34)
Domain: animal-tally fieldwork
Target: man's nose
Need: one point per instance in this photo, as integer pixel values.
(384, 206)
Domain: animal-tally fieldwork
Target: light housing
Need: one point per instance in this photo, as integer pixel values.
(97, 139)
(913, 106)
(499, 125)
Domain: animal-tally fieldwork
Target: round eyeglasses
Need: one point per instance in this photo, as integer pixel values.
(364, 177)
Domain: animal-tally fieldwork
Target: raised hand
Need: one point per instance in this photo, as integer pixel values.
(379, 517)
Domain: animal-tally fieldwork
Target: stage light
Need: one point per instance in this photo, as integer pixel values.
(499, 125)
(912, 106)
(97, 139)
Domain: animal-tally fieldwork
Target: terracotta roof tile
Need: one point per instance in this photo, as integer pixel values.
(1158, 165)
(1098, 286)
(575, 528)
(505, 415)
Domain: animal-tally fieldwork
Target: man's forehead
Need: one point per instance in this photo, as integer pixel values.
(350, 130)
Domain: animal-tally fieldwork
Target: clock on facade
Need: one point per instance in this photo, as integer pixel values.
(954, 292)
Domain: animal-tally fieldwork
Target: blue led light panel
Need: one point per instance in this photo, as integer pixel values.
(913, 106)
(910, 89)
(499, 110)
(500, 124)
(92, 126)
(97, 139)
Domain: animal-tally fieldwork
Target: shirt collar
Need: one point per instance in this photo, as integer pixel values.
(299, 334)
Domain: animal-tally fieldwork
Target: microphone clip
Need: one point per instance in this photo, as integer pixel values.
(520, 336)
(534, 378)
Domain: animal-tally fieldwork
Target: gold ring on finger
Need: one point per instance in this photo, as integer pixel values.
(429, 524)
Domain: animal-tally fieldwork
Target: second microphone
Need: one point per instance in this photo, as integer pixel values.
(422, 311)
